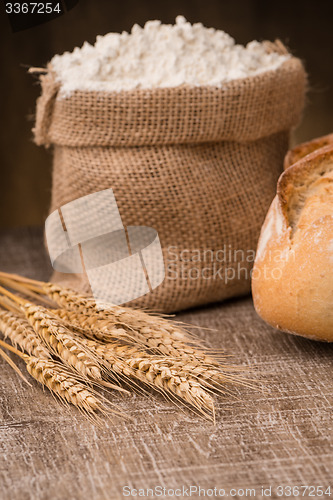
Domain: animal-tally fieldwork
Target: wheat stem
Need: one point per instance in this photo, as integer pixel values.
(128, 344)
(10, 361)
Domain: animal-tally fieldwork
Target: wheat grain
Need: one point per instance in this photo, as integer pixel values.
(62, 342)
(133, 345)
(94, 326)
(157, 372)
(21, 334)
(67, 387)
(211, 378)
(154, 332)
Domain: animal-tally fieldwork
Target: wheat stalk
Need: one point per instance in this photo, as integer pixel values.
(21, 334)
(129, 344)
(69, 389)
(94, 326)
(62, 342)
(157, 372)
(65, 385)
(11, 363)
(154, 332)
(202, 367)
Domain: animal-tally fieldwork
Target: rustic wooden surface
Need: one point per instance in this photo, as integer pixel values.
(282, 437)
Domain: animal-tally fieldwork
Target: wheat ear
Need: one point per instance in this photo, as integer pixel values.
(94, 326)
(21, 334)
(155, 372)
(154, 332)
(212, 376)
(68, 388)
(62, 342)
(157, 331)
(57, 338)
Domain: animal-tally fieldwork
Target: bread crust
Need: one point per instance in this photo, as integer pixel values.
(292, 280)
(302, 150)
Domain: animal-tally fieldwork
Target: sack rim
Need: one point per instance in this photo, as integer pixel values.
(159, 90)
(240, 110)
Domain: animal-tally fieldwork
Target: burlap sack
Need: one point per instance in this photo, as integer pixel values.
(198, 164)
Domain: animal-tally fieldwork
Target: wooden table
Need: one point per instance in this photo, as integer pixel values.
(280, 437)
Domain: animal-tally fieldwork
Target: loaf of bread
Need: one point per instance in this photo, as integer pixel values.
(292, 279)
(301, 150)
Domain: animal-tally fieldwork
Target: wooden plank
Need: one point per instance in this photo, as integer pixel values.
(280, 437)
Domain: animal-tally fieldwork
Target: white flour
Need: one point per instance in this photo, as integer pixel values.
(161, 55)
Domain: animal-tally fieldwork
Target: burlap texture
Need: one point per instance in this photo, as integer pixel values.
(199, 165)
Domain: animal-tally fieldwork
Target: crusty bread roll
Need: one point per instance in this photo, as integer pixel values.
(292, 281)
(301, 150)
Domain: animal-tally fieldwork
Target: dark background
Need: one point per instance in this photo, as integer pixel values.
(25, 170)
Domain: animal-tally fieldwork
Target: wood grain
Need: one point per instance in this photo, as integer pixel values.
(283, 436)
